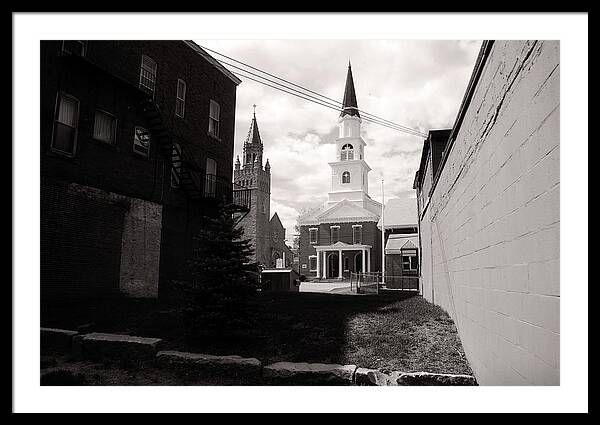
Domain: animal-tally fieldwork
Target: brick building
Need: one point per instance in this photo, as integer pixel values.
(488, 200)
(341, 235)
(136, 146)
(267, 235)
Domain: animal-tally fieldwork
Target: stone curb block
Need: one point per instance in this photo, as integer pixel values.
(371, 377)
(425, 378)
(209, 364)
(114, 346)
(375, 377)
(56, 339)
(283, 373)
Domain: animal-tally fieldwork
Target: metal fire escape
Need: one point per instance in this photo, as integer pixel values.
(193, 179)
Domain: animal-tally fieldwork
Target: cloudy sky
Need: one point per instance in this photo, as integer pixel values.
(417, 83)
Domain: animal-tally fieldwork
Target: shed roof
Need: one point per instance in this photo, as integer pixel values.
(398, 242)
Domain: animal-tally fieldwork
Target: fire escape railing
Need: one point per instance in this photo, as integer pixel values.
(192, 178)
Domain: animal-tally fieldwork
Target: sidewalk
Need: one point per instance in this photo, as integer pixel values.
(337, 287)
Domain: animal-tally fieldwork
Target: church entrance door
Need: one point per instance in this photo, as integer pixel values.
(333, 266)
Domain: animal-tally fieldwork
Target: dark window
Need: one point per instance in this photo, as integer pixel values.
(66, 118)
(409, 263)
(346, 177)
(357, 234)
(335, 234)
(347, 152)
(180, 101)
(210, 189)
(313, 235)
(312, 261)
(105, 127)
(214, 117)
(148, 74)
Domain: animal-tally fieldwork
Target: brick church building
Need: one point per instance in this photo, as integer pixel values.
(266, 233)
(341, 236)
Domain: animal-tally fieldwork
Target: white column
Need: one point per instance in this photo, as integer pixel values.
(364, 262)
(318, 264)
(324, 264)
(340, 275)
(369, 262)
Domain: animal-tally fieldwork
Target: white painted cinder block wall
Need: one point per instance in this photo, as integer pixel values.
(490, 234)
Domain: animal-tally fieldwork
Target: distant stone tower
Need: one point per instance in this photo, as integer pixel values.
(252, 175)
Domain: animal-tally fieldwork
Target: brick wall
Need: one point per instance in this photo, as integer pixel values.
(490, 234)
(80, 243)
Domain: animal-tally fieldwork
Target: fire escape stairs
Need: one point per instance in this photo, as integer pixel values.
(182, 165)
(190, 176)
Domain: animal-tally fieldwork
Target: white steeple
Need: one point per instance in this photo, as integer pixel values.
(349, 170)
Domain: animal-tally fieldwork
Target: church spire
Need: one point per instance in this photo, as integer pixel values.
(253, 146)
(350, 105)
(253, 133)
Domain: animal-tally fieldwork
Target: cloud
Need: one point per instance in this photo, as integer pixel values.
(418, 83)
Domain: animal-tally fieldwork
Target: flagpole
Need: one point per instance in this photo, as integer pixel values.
(382, 234)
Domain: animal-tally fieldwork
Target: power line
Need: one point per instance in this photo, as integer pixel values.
(366, 116)
(336, 104)
(304, 88)
(322, 103)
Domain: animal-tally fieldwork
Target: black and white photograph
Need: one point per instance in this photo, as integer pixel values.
(287, 212)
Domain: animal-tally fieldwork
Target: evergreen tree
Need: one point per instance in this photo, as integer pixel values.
(223, 278)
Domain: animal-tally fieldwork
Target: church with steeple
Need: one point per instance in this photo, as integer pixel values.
(341, 236)
(266, 233)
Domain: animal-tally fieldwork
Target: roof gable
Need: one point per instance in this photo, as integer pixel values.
(346, 211)
(276, 221)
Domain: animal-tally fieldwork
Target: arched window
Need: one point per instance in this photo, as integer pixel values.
(346, 177)
(347, 152)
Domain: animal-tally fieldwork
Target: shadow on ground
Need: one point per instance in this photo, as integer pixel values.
(390, 332)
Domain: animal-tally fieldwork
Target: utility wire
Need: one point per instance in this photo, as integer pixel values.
(323, 103)
(336, 104)
(301, 87)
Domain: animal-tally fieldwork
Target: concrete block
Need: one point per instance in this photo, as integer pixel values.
(286, 373)
(114, 346)
(56, 339)
(370, 377)
(209, 364)
(430, 379)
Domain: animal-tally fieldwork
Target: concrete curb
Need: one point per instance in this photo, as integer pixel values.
(208, 364)
(114, 346)
(56, 339)
(125, 347)
(374, 377)
(286, 373)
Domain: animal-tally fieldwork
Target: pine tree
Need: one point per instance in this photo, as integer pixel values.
(223, 278)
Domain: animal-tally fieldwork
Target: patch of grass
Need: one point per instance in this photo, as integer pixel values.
(389, 332)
